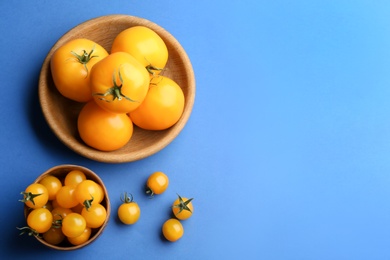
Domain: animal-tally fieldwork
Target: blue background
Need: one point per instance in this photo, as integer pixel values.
(286, 152)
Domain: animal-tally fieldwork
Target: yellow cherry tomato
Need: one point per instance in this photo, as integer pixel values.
(74, 177)
(129, 211)
(40, 220)
(162, 106)
(95, 215)
(71, 65)
(35, 196)
(53, 236)
(182, 208)
(89, 190)
(73, 225)
(60, 213)
(66, 197)
(143, 44)
(104, 130)
(157, 183)
(52, 184)
(172, 229)
(119, 83)
(81, 239)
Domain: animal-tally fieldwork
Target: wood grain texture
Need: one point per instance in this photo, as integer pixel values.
(61, 113)
(60, 172)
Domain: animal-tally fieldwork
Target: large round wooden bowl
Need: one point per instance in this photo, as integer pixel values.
(60, 172)
(61, 113)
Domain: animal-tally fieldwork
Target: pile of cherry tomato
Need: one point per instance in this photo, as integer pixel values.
(67, 209)
(120, 88)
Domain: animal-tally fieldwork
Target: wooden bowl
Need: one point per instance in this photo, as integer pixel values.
(61, 113)
(60, 172)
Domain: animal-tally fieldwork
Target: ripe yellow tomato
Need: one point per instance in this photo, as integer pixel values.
(172, 229)
(119, 83)
(74, 177)
(66, 197)
(73, 225)
(40, 220)
(95, 215)
(52, 184)
(182, 208)
(89, 190)
(103, 130)
(129, 211)
(71, 65)
(162, 107)
(35, 196)
(59, 213)
(81, 238)
(143, 44)
(157, 183)
(53, 236)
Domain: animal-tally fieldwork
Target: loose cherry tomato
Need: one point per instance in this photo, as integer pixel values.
(73, 225)
(172, 230)
(52, 184)
(74, 177)
(103, 130)
(129, 211)
(53, 236)
(81, 238)
(162, 107)
(157, 183)
(35, 196)
(94, 215)
(40, 220)
(182, 208)
(71, 65)
(119, 83)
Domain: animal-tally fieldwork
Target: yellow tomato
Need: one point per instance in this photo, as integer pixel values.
(103, 130)
(89, 190)
(52, 184)
(53, 236)
(157, 183)
(81, 238)
(119, 83)
(162, 107)
(182, 208)
(143, 44)
(71, 65)
(172, 230)
(35, 196)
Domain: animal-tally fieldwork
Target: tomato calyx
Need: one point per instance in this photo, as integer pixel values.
(150, 192)
(182, 205)
(85, 57)
(126, 198)
(88, 203)
(152, 69)
(28, 196)
(28, 230)
(115, 91)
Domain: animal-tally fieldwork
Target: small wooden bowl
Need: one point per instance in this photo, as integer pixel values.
(61, 113)
(60, 172)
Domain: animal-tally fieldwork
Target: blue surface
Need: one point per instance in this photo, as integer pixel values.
(286, 152)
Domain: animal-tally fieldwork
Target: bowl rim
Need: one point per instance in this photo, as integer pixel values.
(107, 157)
(63, 167)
